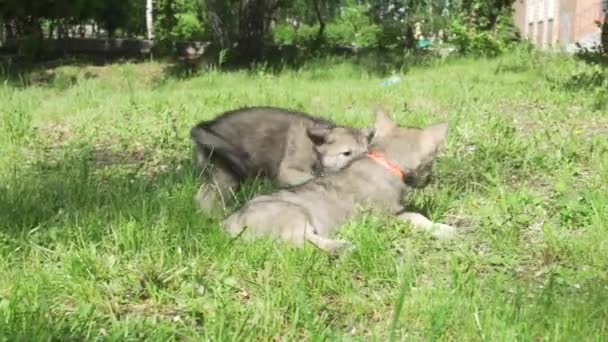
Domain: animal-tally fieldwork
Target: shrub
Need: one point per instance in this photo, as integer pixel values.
(339, 34)
(306, 35)
(284, 34)
(470, 41)
(188, 27)
(522, 57)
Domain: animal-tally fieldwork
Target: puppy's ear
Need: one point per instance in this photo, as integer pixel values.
(369, 134)
(384, 124)
(318, 133)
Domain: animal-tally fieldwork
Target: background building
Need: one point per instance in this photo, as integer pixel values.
(560, 23)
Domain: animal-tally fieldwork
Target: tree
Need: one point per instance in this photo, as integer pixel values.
(605, 33)
(149, 19)
(485, 13)
(219, 17)
(253, 28)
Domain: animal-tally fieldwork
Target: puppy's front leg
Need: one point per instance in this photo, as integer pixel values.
(437, 230)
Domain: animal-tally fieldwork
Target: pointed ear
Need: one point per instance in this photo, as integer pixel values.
(318, 133)
(436, 134)
(384, 123)
(368, 133)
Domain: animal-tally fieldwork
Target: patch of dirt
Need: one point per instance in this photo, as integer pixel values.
(56, 134)
(109, 154)
(147, 309)
(520, 112)
(591, 128)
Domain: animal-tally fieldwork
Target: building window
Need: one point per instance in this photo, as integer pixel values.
(530, 7)
(540, 10)
(550, 9)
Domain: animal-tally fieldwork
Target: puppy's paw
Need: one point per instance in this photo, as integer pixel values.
(208, 200)
(442, 231)
(340, 247)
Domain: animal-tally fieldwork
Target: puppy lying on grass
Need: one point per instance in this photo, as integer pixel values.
(288, 147)
(314, 211)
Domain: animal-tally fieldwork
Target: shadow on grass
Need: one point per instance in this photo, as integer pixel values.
(77, 189)
(17, 73)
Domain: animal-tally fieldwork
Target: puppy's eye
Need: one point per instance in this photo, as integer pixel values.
(347, 153)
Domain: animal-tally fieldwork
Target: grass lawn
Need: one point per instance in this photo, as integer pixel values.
(100, 238)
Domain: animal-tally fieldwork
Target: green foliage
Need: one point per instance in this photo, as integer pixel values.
(180, 20)
(597, 54)
(484, 27)
(351, 28)
(354, 27)
(479, 27)
(284, 34)
(339, 34)
(604, 28)
(484, 14)
(188, 27)
(306, 35)
(472, 41)
(586, 79)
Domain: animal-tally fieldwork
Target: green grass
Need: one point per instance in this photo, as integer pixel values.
(100, 238)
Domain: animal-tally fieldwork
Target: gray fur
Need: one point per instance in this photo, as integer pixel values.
(288, 147)
(315, 211)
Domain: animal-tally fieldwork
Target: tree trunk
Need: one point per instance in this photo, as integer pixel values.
(605, 33)
(52, 26)
(216, 24)
(252, 30)
(149, 19)
(319, 19)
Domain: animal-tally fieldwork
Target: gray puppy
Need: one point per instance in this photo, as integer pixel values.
(286, 146)
(315, 211)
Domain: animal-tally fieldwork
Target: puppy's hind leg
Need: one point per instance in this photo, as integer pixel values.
(439, 231)
(217, 189)
(333, 247)
(283, 220)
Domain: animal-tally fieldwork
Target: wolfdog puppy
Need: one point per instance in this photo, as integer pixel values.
(286, 146)
(399, 158)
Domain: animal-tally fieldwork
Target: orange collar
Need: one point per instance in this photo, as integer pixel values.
(387, 165)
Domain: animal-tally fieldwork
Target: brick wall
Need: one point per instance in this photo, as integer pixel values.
(561, 23)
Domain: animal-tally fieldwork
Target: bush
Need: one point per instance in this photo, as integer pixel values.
(390, 35)
(597, 54)
(470, 41)
(352, 28)
(188, 27)
(339, 34)
(522, 57)
(594, 77)
(306, 35)
(357, 27)
(284, 34)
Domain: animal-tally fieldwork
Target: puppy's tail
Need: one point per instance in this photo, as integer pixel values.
(207, 143)
(201, 134)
